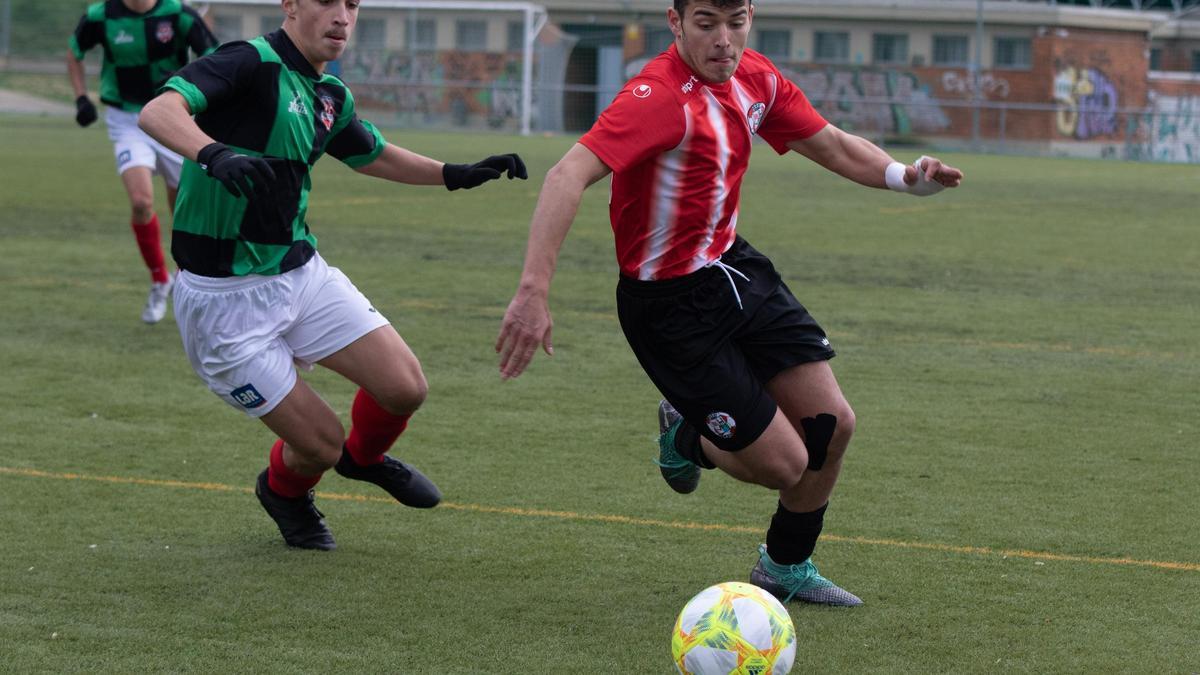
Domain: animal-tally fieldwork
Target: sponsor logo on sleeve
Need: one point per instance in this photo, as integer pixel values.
(642, 90)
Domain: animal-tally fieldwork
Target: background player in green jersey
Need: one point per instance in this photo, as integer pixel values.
(253, 297)
(144, 42)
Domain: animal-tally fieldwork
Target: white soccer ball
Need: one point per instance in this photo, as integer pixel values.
(734, 627)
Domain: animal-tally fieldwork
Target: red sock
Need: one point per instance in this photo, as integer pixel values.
(372, 430)
(147, 236)
(284, 481)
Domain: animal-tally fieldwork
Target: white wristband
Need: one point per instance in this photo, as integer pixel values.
(893, 175)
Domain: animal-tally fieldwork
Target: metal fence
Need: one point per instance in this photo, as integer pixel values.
(413, 70)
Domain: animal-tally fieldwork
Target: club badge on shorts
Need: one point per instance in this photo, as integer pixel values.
(721, 424)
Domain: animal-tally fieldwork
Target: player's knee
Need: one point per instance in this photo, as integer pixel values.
(784, 470)
(142, 208)
(404, 397)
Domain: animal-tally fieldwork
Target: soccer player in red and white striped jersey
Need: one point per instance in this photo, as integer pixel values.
(743, 367)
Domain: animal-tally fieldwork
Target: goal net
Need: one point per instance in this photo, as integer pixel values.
(453, 64)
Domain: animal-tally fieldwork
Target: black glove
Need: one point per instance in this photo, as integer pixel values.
(467, 176)
(242, 175)
(85, 112)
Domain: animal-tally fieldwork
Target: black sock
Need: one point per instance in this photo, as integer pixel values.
(687, 444)
(792, 536)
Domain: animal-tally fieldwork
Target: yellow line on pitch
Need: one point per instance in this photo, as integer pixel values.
(631, 520)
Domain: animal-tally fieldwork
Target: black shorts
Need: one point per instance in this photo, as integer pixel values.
(712, 359)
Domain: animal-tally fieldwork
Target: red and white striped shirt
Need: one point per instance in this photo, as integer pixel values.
(678, 148)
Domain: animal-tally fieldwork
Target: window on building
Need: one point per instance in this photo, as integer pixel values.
(268, 24)
(658, 40)
(470, 35)
(831, 47)
(227, 27)
(370, 33)
(889, 48)
(1156, 58)
(1196, 62)
(951, 50)
(775, 44)
(421, 34)
(1012, 52)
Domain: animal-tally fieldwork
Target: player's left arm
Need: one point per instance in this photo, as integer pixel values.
(863, 162)
(405, 166)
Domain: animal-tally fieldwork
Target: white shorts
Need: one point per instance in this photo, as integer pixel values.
(133, 147)
(245, 335)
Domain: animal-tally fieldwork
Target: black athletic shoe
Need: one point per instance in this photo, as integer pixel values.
(299, 521)
(402, 481)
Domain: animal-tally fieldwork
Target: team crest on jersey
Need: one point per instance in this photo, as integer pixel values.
(721, 424)
(642, 90)
(164, 32)
(754, 116)
(327, 113)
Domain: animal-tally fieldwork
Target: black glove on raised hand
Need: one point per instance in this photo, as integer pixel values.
(85, 112)
(242, 175)
(467, 176)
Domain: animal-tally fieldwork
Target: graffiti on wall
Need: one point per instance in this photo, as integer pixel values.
(885, 101)
(990, 86)
(452, 86)
(1169, 131)
(1088, 103)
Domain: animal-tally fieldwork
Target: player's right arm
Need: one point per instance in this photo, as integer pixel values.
(87, 34)
(168, 119)
(527, 323)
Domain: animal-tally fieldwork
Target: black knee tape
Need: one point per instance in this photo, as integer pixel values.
(818, 432)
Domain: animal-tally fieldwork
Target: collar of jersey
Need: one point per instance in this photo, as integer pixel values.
(685, 71)
(117, 9)
(287, 50)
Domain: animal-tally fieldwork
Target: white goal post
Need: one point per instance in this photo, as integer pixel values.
(242, 19)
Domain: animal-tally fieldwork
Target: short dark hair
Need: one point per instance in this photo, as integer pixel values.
(681, 5)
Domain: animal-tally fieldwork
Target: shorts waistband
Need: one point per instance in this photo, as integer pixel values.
(220, 284)
(657, 288)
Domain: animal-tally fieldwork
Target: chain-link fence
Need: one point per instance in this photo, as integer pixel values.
(501, 66)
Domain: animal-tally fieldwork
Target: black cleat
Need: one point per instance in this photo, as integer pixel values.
(402, 481)
(299, 521)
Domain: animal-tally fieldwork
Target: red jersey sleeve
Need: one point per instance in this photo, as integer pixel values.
(644, 120)
(791, 116)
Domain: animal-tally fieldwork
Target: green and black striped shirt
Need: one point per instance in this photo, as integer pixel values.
(261, 98)
(140, 50)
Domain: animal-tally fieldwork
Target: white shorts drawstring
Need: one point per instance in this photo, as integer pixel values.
(727, 269)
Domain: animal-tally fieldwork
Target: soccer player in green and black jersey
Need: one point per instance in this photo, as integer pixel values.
(253, 297)
(144, 43)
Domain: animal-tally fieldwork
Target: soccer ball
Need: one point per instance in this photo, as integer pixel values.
(733, 628)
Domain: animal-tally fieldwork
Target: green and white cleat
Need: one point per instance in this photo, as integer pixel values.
(681, 474)
(799, 582)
